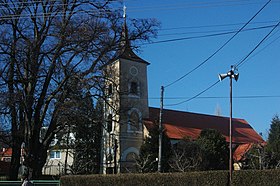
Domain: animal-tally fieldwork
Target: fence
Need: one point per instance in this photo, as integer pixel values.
(35, 183)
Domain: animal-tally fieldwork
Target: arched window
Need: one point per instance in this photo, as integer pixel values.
(131, 157)
(134, 120)
(129, 154)
(133, 88)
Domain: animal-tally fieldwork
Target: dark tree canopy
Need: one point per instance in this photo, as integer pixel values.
(148, 157)
(215, 149)
(87, 144)
(273, 143)
(43, 44)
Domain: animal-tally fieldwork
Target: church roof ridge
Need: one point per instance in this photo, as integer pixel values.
(201, 114)
(179, 124)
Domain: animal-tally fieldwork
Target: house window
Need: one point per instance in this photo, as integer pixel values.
(133, 88)
(55, 154)
(110, 123)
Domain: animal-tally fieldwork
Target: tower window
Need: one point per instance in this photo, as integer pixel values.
(133, 88)
(110, 123)
(110, 89)
(134, 121)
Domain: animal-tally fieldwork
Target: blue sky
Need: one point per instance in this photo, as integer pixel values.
(259, 75)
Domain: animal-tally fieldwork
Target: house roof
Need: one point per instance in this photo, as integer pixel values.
(241, 150)
(7, 152)
(178, 124)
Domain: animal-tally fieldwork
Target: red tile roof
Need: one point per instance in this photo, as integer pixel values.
(178, 124)
(6, 152)
(241, 150)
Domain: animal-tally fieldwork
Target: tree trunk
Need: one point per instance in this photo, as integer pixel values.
(15, 162)
(38, 160)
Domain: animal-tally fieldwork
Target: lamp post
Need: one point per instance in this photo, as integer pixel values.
(231, 74)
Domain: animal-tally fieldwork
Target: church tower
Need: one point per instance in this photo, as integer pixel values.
(125, 108)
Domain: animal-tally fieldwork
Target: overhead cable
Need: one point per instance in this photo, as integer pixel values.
(195, 95)
(244, 59)
(237, 65)
(220, 48)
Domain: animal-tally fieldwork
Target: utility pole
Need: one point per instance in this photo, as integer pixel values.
(160, 130)
(231, 74)
(230, 130)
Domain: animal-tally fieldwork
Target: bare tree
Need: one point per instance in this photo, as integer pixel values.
(143, 163)
(43, 44)
(186, 156)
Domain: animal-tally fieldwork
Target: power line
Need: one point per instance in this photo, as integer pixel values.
(27, 14)
(243, 97)
(212, 97)
(191, 5)
(244, 59)
(188, 73)
(221, 97)
(262, 48)
(13, 3)
(207, 35)
(215, 25)
(211, 86)
(195, 4)
(213, 31)
(242, 62)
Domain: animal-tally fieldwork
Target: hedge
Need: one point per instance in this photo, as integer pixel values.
(215, 178)
(256, 177)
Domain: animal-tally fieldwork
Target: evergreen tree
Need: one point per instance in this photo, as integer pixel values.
(215, 149)
(273, 143)
(82, 119)
(148, 157)
(87, 141)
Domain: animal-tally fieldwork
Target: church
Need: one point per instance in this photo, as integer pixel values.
(128, 116)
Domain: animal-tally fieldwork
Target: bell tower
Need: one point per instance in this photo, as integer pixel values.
(125, 108)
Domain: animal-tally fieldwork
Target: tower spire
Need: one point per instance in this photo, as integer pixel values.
(124, 11)
(125, 51)
(124, 40)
